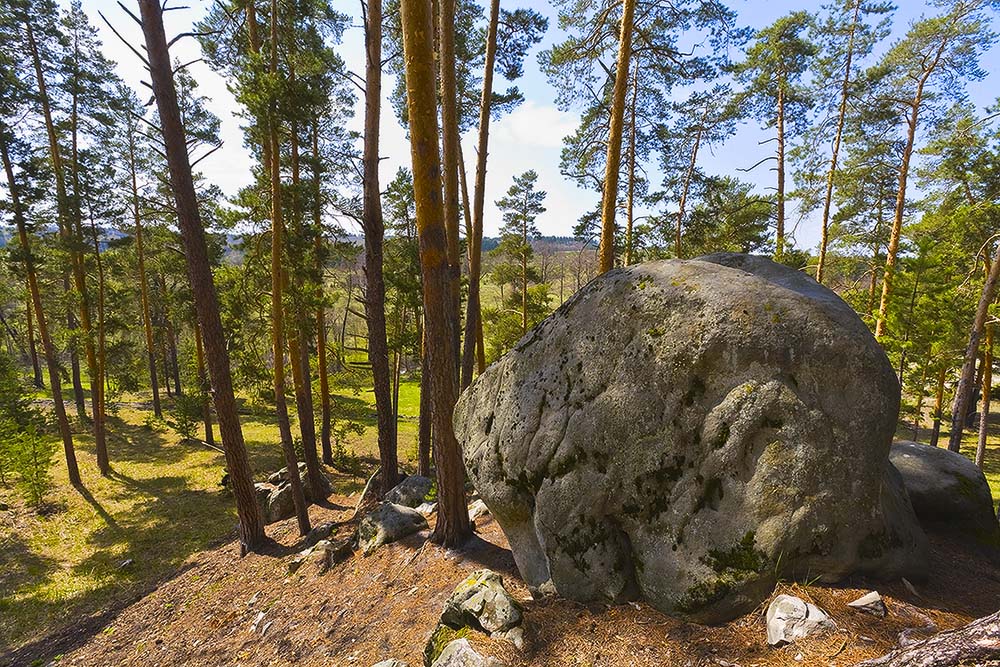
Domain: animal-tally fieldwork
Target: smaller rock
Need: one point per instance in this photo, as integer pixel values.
(481, 602)
(323, 555)
(412, 491)
(870, 603)
(280, 504)
(281, 476)
(790, 618)
(125, 564)
(427, 508)
(477, 509)
(320, 532)
(391, 663)
(460, 653)
(387, 523)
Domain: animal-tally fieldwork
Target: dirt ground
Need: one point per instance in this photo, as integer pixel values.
(223, 610)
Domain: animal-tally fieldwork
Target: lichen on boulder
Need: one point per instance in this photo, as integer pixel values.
(689, 431)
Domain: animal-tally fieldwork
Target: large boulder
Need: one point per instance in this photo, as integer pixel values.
(687, 431)
(948, 491)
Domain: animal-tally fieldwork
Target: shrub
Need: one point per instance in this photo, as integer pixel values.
(187, 414)
(31, 459)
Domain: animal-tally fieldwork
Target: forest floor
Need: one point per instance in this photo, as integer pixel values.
(141, 569)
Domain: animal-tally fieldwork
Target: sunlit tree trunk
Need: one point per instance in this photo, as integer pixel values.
(206, 408)
(97, 386)
(984, 411)
(963, 392)
(36, 367)
(609, 200)
(938, 404)
(147, 322)
(424, 428)
(324, 380)
(835, 154)
(378, 347)
(630, 199)
(474, 315)
(453, 526)
(200, 275)
(779, 247)
(298, 345)
(48, 349)
(70, 233)
(277, 292)
(897, 219)
(449, 156)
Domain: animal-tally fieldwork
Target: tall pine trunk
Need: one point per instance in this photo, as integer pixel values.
(277, 293)
(963, 392)
(449, 159)
(609, 200)
(48, 349)
(36, 366)
(938, 405)
(630, 197)
(374, 229)
(298, 340)
(904, 171)
(984, 411)
(474, 315)
(206, 408)
(779, 246)
(200, 275)
(324, 380)
(453, 526)
(835, 154)
(147, 321)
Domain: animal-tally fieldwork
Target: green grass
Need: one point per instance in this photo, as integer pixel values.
(163, 503)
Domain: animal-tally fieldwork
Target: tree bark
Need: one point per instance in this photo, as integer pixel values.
(36, 366)
(963, 391)
(48, 349)
(474, 315)
(424, 434)
(779, 246)
(97, 399)
(630, 199)
(147, 321)
(688, 177)
(609, 201)
(206, 408)
(277, 292)
(66, 234)
(77, 262)
(977, 643)
(298, 346)
(449, 159)
(835, 154)
(324, 380)
(938, 403)
(904, 170)
(984, 411)
(374, 229)
(453, 526)
(200, 275)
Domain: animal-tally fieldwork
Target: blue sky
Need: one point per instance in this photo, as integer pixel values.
(529, 138)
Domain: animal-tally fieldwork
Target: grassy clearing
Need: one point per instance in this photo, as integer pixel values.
(88, 552)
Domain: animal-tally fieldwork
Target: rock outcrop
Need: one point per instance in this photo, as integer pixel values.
(947, 491)
(388, 523)
(275, 497)
(687, 431)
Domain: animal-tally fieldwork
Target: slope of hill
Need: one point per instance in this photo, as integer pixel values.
(223, 610)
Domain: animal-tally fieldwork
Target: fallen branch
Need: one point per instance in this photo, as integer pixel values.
(978, 643)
